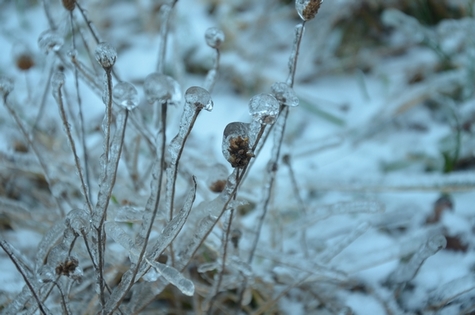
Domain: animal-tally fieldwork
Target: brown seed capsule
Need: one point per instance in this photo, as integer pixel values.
(307, 9)
(69, 4)
(68, 267)
(239, 151)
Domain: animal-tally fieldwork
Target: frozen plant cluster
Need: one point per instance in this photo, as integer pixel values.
(138, 211)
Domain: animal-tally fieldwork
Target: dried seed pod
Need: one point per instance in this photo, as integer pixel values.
(217, 178)
(69, 4)
(307, 9)
(23, 56)
(68, 267)
(236, 145)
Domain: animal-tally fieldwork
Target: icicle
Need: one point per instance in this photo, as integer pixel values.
(173, 276)
(235, 146)
(125, 94)
(214, 37)
(105, 55)
(50, 41)
(284, 94)
(264, 108)
(407, 271)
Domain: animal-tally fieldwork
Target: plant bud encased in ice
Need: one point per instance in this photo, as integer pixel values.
(125, 95)
(264, 108)
(105, 55)
(162, 88)
(214, 37)
(199, 98)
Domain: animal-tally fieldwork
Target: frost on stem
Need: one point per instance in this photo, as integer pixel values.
(125, 94)
(406, 272)
(264, 109)
(214, 37)
(236, 147)
(50, 41)
(105, 55)
(162, 88)
(307, 9)
(284, 94)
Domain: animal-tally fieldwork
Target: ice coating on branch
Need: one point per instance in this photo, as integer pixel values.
(125, 95)
(451, 290)
(50, 41)
(307, 9)
(57, 81)
(78, 221)
(264, 108)
(6, 85)
(174, 277)
(214, 37)
(236, 146)
(199, 98)
(284, 94)
(162, 88)
(105, 55)
(407, 271)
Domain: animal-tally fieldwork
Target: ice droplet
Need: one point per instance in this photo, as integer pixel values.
(125, 95)
(214, 37)
(307, 9)
(284, 94)
(50, 41)
(199, 97)
(264, 108)
(106, 55)
(6, 85)
(162, 88)
(236, 147)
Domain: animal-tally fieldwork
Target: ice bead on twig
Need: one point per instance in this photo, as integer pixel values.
(236, 146)
(50, 41)
(264, 108)
(105, 55)
(408, 271)
(307, 9)
(162, 88)
(199, 98)
(284, 94)
(125, 95)
(214, 37)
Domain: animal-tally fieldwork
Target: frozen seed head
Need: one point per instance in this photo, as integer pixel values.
(199, 97)
(6, 86)
(57, 80)
(105, 55)
(22, 56)
(264, 108)
(68, 267)
(161, 88)
(214, 37)
(307, 9)
(50, 41)
(125, 95)
(217, 178)
(236, 146)
(284, 94)
(69, 4)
